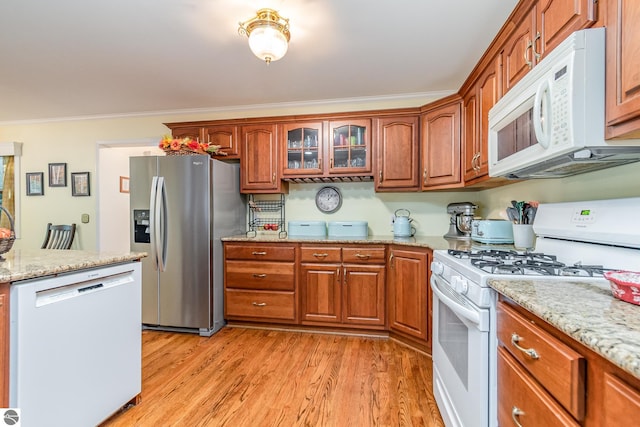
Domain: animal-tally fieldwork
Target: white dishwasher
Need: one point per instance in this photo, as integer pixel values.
(75, 346)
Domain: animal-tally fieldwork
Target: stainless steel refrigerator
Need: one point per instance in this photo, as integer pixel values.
(181, 206)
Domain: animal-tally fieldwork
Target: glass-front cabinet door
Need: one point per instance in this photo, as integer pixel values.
(350, 146)
(303, 152)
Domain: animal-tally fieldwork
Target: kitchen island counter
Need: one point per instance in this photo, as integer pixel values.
(586, 312)
(431, 242)
(21, 264)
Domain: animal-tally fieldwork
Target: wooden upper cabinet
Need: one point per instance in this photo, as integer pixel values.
(441, 145)
(193, 132)
(623, 69)
(226, 136)
(557, 19)
(350, 147)
(518, 53)
(469, 134)
(259, 160)
(302, 146)
(546, 25)
(397, 159)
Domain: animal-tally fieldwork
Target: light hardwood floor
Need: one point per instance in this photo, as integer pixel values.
(251, 377)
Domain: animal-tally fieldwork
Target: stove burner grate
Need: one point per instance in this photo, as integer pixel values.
(511, 262)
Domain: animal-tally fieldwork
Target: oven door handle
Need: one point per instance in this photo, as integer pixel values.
(470, 315)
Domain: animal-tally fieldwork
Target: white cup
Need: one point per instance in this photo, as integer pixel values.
(523, 236)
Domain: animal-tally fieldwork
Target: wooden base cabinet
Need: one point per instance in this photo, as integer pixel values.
(546, 378)
(260, 283)
(343, 286)
(409, 294)
(4, 345)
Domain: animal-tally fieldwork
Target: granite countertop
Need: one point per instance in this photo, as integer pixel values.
(432, 242)
(586, 312)
(21, 264)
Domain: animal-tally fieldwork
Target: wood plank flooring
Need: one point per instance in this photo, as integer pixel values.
(252, 377)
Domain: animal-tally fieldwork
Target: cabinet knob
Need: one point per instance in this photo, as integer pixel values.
(424, 175)
(515, 339)
(526, 57)
(363, 256)
(258, 253)
(260, 276)
(515, 413)
(380, 175)
(273, 178)
(259, 304)
(320, 255)
(533, 47)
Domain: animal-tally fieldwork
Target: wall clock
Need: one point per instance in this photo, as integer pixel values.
(328, 199)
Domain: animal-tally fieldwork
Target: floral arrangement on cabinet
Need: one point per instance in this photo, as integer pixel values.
(186, 146)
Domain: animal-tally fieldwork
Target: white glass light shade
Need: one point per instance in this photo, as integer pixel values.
(268, 43)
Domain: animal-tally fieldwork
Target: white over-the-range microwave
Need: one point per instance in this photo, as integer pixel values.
(551, 123)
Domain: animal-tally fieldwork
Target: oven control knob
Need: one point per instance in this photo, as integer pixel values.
(437, 268)
(460, 285)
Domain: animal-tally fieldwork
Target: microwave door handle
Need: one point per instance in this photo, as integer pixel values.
(541, 114)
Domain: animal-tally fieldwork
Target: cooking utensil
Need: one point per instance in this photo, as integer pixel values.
(512, 214)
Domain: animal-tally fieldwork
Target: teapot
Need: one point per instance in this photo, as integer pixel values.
(402, 224)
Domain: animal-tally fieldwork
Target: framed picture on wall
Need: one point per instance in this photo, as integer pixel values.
(57, 174)
(124, 184)
(80, 184)
(35, 186)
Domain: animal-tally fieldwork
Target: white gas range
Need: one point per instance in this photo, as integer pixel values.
(574, 241)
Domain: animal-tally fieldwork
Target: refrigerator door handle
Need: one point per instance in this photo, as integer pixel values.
(162, 221)
(152, 221)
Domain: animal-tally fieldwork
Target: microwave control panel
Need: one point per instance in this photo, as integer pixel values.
(559, 95)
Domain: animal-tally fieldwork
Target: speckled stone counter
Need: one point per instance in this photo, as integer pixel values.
(586, 312)
(20, 264)
(432, 242)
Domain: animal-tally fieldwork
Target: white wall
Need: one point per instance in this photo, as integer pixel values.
(362, 203)
(113, 206)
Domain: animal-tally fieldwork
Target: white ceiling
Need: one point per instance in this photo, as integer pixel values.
(73, 58)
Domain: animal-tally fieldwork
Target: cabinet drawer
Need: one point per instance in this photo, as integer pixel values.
(521, 399)
(363, 255)
(260, 252)
(622, 402)
(557, 367)
(320, 254)
(259, 304)
(260, 275)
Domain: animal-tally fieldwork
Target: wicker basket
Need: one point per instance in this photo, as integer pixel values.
(6, 243)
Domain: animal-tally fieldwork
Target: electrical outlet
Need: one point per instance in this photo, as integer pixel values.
(84, 218)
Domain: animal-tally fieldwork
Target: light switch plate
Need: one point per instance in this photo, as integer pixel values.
(84, 218)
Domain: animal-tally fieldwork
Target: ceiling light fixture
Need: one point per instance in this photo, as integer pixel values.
(268, 34)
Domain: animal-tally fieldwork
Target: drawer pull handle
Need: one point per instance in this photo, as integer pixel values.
(361, 256)
(258, 253)
(515, 339)
(320, 255)
(515, 413)
(260, 276)
(259, 304)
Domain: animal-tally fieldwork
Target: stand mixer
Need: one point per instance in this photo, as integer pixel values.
(460, 222)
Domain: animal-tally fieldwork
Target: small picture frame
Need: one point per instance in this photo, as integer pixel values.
(57, 174)
(80, 184)
(124, 184)
(35, 183)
